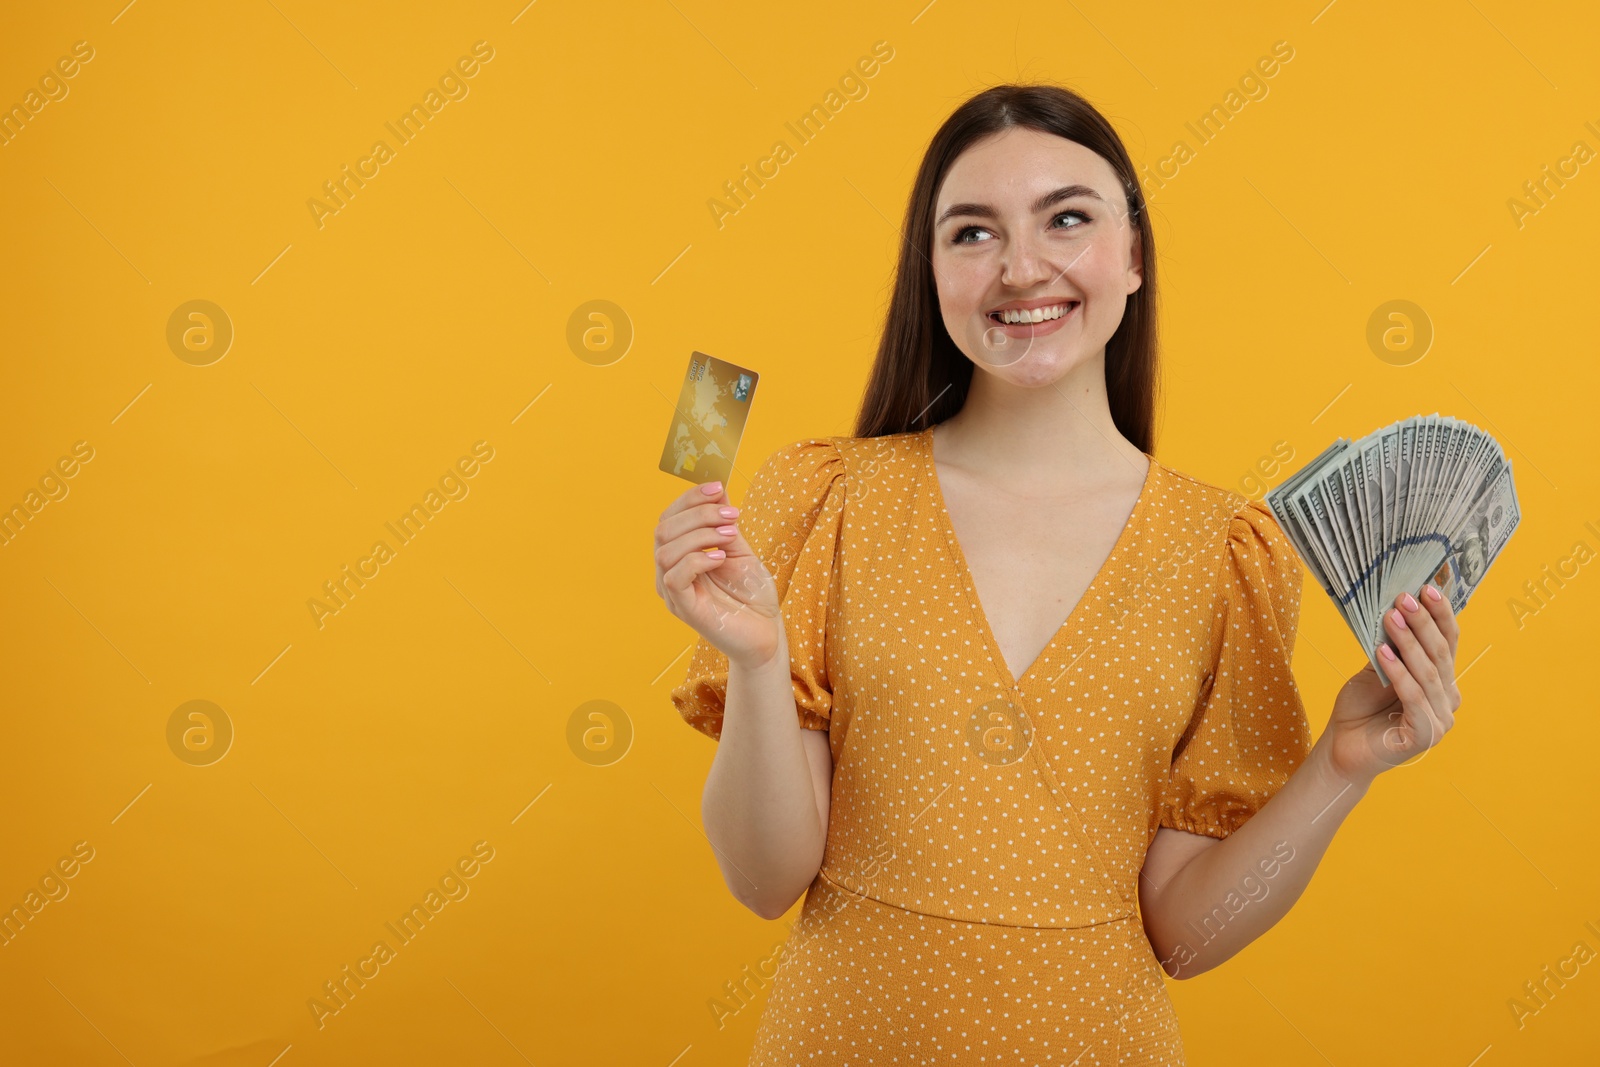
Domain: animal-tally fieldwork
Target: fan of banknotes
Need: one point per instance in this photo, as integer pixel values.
(1426, 501)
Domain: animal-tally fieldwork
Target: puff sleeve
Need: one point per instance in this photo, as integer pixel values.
(1249, 731)
(791, 516)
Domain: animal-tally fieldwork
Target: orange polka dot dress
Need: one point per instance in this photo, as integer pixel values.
(978, 896)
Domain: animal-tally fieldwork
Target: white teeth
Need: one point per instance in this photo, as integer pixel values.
(1054, 311)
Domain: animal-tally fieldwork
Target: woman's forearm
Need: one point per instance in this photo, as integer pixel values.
(759, 807)
(1232, 892)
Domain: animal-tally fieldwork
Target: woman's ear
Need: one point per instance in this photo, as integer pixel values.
(1135, 260)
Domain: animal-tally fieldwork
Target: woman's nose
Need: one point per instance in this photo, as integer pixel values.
(1026, 264)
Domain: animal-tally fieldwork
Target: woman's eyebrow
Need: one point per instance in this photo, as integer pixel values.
(984, 211)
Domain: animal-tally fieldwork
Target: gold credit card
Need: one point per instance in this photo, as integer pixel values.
(711, 412)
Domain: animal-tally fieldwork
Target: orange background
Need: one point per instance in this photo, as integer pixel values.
(432, 312)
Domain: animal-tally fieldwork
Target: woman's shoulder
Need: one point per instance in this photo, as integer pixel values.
(791, 486)
(1203, 505)
(1257, 559)
(808, 461)
(818, 462)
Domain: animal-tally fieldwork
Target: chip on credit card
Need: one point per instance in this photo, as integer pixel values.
(708, 420)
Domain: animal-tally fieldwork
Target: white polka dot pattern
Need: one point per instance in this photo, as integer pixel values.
(1166, 699)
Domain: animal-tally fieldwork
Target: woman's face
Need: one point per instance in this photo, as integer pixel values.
(1027, 220)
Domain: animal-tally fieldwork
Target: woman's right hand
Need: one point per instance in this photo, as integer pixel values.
(726, 594)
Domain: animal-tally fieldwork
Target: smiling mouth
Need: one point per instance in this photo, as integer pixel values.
(1015, 317)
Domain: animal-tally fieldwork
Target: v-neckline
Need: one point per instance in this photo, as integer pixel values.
(1094, 588)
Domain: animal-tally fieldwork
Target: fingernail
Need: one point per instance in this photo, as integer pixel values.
(1432, 593)
(1410, 602)
(716, 553)
(711, 488)
(1400, 620)
(1387, 652)
(727, 531)
(728, 513)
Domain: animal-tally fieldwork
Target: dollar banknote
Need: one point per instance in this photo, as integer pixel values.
(1429, 500)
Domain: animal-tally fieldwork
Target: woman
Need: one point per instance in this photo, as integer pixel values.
(1006, 698)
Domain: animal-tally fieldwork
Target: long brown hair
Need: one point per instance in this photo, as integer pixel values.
(920, 377)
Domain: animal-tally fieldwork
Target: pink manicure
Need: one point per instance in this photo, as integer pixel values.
(711, 488)
(728, 513)
(727, 531)
(1400, 621)
(1432, 593)
(1410, 602)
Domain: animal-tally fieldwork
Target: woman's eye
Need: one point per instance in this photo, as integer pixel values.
(961, 235)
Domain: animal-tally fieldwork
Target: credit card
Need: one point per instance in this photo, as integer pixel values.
(709, 419)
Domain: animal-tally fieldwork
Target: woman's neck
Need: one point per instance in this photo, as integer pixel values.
(1039, 437)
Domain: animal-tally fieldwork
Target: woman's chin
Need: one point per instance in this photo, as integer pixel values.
(997, 351)
(1027, 364)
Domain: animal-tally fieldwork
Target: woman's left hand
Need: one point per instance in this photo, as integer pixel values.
(1375, 727)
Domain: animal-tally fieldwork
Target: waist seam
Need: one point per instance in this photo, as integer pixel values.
(822, 875)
